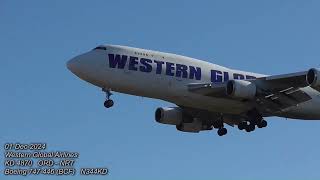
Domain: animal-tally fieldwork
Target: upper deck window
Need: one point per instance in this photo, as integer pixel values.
(100, 47)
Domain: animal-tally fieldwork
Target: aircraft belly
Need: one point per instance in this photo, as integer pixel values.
(212, 104)
(159, 87)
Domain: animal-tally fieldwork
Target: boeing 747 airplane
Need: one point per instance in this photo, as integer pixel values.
(206, 95)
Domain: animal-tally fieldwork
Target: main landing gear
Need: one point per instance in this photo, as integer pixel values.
(221, 129)
(254, 119)
(108, 102)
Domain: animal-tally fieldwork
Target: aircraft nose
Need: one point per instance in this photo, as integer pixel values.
(80, 65)
(72, 65)
(87, 67)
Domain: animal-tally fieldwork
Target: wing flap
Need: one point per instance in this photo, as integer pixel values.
(283, 99)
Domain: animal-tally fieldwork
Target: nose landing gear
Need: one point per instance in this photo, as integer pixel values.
(108, 102)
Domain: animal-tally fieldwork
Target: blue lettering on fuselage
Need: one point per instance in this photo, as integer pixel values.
(169, 68)
(159, 66)
(117, 61)
(219, 76)
(238, 76)
(133, 62)
(181, 70)
(216, 76)
(145, 65)
(195, 72)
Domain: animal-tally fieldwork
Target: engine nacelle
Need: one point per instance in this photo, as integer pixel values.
(241, 89)
(189, 127)
(169, 115)
(313, 77)
(196, 126)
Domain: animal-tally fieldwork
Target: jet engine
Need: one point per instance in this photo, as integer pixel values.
(184, 121)
(196, 126)
(313, 77)
(241, 89)
(169, 115)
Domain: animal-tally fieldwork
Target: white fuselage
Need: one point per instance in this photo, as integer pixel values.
(165, 76)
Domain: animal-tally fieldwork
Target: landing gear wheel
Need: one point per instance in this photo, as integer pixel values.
(247, 128)
(250, 127)
(242, 125)
(222, 131)
(108, 103)
(262, 124)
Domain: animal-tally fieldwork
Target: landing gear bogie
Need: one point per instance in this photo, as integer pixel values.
(108, 102)
(242, 125)
(250, 127)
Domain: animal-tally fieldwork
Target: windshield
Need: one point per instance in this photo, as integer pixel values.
(100, 47)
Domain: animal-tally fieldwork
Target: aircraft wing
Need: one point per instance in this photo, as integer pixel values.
(284, 81)
(272, 93)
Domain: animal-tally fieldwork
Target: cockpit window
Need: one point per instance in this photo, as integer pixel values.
(100, 47)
